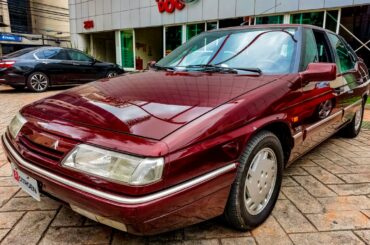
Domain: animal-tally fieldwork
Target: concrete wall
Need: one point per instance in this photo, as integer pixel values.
(50, 17)
(5, 13)
(125, 14)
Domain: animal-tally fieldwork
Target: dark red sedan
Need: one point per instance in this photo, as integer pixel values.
(207, 131)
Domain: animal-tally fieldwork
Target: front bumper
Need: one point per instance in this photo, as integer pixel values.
(188, 203)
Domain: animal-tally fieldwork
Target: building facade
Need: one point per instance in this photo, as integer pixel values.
(27, 23)
(133, 32)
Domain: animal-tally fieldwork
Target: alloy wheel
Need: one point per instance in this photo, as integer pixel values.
(112, 74)
(260, 181)
(39, 82)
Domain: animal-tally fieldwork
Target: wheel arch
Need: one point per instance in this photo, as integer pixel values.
(282, 131)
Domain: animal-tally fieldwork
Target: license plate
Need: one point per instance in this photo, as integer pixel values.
(27, 183)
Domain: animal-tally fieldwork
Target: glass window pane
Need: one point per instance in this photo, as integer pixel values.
(323, 47)
(211, 26)
(276, 19)
(127, 49)
(272, 52)
(194, 29)
(46, 54)
(173, 38)
(310, 54)
(315, 18)
(75, 55)
(345, 61)
(331, 20)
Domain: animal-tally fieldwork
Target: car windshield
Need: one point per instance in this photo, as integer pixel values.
(19, 53)
(270, 51)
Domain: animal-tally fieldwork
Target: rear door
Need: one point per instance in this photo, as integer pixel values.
(54, 62)
(350, 76)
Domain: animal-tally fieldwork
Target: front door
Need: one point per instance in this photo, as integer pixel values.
(82, 67)
(320, 109)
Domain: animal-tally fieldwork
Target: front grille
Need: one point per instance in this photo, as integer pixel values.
(40, 149)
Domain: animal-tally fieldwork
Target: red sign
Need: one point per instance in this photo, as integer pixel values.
(88, 24)
(169, 5)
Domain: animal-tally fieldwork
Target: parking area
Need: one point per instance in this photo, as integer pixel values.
(325, 199)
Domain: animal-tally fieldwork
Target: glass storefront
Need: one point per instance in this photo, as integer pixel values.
(332, 20)
(313, 18)
(276, 19)
(127, 48)
(194, 29)
(173, 38)
(357, 21)
(211, 25)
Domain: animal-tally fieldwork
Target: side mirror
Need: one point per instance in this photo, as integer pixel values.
(151, 64)
(319, 72)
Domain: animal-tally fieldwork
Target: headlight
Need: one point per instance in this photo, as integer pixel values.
(16, 125)
(114, 166)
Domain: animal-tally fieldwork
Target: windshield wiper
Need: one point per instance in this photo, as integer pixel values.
(164, 68)
(210, 67)
(251, 69)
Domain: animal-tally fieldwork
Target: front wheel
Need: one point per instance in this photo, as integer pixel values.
(257, 184)
(38, 82)
(111, 74)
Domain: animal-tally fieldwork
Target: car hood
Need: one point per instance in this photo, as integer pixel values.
(148, 104)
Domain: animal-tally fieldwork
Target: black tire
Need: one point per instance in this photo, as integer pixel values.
(38, 82)
(111, 74)
(236, 213)
(353, 129)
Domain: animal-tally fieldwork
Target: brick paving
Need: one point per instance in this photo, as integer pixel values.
(325, 199)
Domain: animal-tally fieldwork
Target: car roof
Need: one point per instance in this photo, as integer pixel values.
(273, 26)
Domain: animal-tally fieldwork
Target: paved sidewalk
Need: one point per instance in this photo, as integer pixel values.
(324, 200)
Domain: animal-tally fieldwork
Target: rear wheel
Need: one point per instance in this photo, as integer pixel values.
(38, 82)
(257, 184)
(353, 129)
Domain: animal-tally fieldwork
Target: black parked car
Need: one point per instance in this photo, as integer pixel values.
(40, 68)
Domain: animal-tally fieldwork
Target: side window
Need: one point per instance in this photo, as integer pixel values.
(316, 48)
(47, 53)
(78, 56)
(323, 47)
(61, 55)
(310, 54)
(345, 60)
(53, 54)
